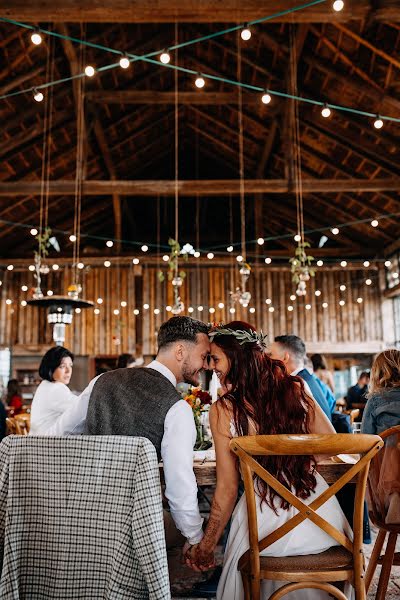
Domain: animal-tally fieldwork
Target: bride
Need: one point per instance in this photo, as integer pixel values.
(261, 398)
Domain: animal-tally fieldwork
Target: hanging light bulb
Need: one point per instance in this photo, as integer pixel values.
(110, 243)
(144, 248)
(165, 57)
(375, 223)
(338, 5)
(37, 95)
(324, 305)
(107, 263)
(326, 111)
(260, 241)
(36, 38)
(34, 231)
(72, 238)
(266, 98)
(135, 261)
(378, 123)
(89, 71)
(165, 258)
(210, 255)
(271, 309)
(196, 254)
(366, 263)
(245, 34)
(320, 263)
(359, 300)
(388, 263)
(343, 263)
(239, 258)
(199, 82)
(268, 260)
(229, 249)
(335, 230)
(124, 62)
(342, 288)
(297, 237)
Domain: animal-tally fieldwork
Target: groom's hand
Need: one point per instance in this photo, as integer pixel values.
(199, 558)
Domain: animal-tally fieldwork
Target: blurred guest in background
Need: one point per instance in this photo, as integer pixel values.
(14, 396)
(322, 371)
(357, 394)
(52, 397)
(383, 407)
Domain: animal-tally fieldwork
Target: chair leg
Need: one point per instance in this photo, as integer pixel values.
(373, 561)
(255, 585)
(246, 585)
(386, 567)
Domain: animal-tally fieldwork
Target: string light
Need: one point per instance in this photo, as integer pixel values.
(290, 308)
(343, 263)
(297, 237)
(232, 310)
(190, 309)
(55, 267)
(326, 111)
(78, 311)
(308, 307)
(146, 306)
(260, 241)
(292, 297)
(37, 95)
(165, 57)
(31, 267)
(375, 223)
(378, 123)
(320, 263)
(368, 281)
(338, 5)
(200, 308)
(230, 248)
(317, 292)
(8, 301)
(99, 300)
(34, 231)
(245, 34)
(359, 300)
(116, 311)
(110, 243)
(266, 98)
(49, 292)
(10, 267)
(24, 288)
(156, 311)
(252, 310)
(342, 288)
(36, 38)
(366, 263)
(135, 261)
(388, 263)
(136, 311)
(107, 263)
(72, 238)
(80, 265)
(395, 275)
(324, 305)
(239, 258)
(342, 302)
(144, 248)
(96, 311)
(124, 62)
(268, 260)
(196, 254)
(165, 258)
(200, 81)
(211, 310)
(168, 308)
(268, 301)
(89, 71)
(221, 305)
(271, 309)
(210, 255)
(23, 302)
(124, 304)
(335, 231)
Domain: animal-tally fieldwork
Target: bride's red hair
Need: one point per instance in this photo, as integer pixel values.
(263, 391)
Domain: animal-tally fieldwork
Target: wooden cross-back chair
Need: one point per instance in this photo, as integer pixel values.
(337, 564)
(378, 505)
(18, 425)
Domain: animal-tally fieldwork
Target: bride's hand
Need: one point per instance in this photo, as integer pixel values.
(200, 558)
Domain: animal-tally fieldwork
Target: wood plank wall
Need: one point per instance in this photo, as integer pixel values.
(108, 333)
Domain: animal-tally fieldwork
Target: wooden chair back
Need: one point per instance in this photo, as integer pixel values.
(17, 425)
(384, 507)
(248, 447)
(24, 420)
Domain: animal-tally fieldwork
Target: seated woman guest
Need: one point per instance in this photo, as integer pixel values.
(14, 396)
(52, 397)
(261, 398)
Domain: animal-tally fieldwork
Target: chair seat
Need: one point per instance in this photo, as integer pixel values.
(333, 559)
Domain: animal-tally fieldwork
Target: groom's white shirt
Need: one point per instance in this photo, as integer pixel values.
(176, 451)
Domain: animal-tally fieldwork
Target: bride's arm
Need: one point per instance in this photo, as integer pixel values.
(319, 423)
(226, 489)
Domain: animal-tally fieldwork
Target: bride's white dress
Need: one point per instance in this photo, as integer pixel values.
(306, 538)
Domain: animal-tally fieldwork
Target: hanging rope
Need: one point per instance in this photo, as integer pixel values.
(241, 159)
(176, 164)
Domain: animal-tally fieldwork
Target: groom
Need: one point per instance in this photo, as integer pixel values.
(144, 402)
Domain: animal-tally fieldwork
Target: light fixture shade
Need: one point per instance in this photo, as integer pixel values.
(59, 312)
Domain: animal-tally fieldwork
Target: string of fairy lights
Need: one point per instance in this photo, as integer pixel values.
(163, 57)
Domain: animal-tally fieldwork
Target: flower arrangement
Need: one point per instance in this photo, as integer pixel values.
(198, 399)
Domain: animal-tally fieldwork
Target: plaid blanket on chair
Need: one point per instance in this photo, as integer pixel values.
(81, 518)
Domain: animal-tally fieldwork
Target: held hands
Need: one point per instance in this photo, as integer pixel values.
(198, 557)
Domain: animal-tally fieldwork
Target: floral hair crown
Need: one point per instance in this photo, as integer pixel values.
(243, 336)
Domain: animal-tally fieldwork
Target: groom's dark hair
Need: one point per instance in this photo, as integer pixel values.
(180, 329)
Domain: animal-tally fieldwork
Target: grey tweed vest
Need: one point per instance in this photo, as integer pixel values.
(131, 402)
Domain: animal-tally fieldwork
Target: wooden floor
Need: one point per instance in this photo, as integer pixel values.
(183, 579)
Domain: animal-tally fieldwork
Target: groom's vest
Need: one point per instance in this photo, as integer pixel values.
(131, 402)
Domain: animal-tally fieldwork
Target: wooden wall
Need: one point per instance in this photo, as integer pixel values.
(349, 328)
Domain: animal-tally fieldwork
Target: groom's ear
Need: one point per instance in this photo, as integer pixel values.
(180, 351)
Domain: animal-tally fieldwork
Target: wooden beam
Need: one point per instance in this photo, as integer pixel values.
(217, 187)
(195, 11)
(358, 38)
(155, 97)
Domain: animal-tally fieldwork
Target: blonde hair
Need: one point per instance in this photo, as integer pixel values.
(385, 372)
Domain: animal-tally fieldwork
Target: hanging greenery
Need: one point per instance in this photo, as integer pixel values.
(301, 264)
(43, 243)
(173, 273)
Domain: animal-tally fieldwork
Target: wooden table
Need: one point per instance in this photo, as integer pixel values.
(330, 471)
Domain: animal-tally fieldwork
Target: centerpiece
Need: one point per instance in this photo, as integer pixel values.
(198, 400)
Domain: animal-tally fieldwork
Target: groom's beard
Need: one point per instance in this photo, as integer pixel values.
(189, 375)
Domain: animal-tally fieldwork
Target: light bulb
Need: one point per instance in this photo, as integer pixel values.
(317, 292)
(266, 98)
(199, 83)
(123, 304)
(72, 238)
(10, 267)
(326, 111)
(136, 311)
(8, 301)
(388, 263)
(292, 298)
(38, 96)
(374, 223)
(49, 292)
(96, 311)
(34, 231)
(239, 258)
(308, 307)
(368, 281)
(146, 306)
(290, 308)
(196, 254)
(156, 311)
(36, 38)
(110, 243)
(320, 263)
(343, 263)
(297, 237)
(342, 302)
(268, 301)
(31, 267)
(116, 311)
(165, 258)
(168, 308)
(335, 231)
(124, 62)
(190, 309)
(252, 310)
(271, 309)
(359, 300)
(23, 302)
(135, 261)
(366, 263)
(144, 248)
(245, 34)
(55, 267)
(342, 288)
(378, 123)
(268, 260)
(260, 241)
(338, 5)
(232, 310)
(89, 71)
(24, 288)
(78, 311)
(324, 305)
(80, 265)
(165, 57)
(229, 249)
(211, 310)
(107, 263)
(200, 308)
(99, 300)
(210, 255)
(221, 305)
